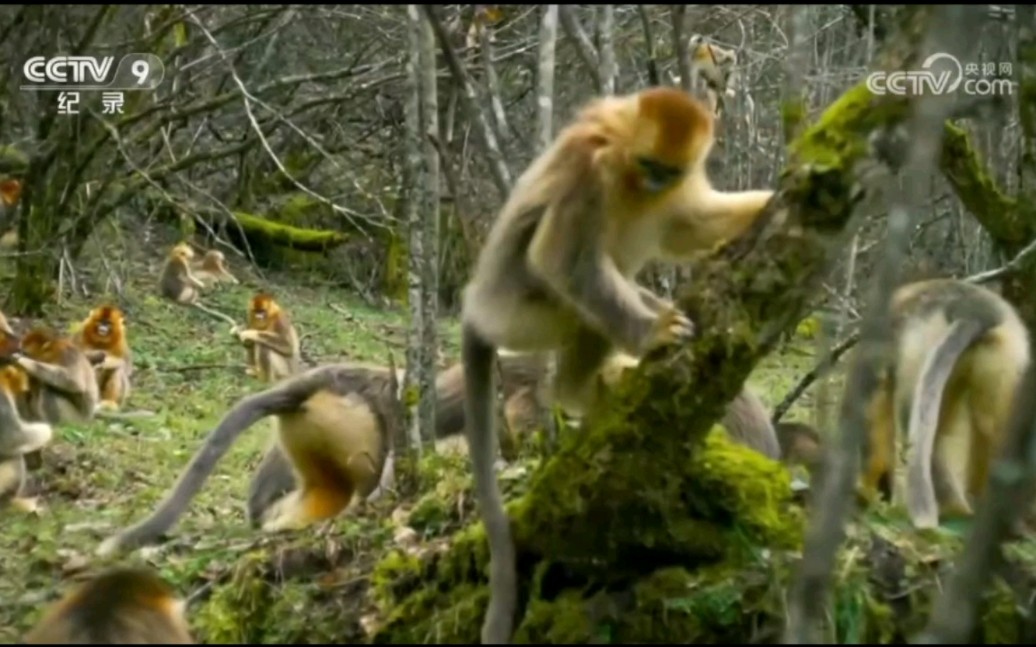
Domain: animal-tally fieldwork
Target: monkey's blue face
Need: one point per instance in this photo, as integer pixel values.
(103, 328)
(657, 176)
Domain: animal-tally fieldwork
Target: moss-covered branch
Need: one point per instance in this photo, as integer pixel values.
(266, 232)
(633, 492)
(978, 191)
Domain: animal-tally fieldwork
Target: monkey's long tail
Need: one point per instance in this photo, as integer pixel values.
(285, 396)
(477, 357)
(214, 313)
(924, 417)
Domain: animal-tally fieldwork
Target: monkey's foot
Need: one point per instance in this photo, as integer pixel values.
(284, 523)
(29, 505)
(107, 405)
(36, 436)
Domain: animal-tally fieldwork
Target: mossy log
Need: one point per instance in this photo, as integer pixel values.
(354, 583)
(265, 233)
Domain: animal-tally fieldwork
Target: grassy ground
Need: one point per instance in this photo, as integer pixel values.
(102, 476)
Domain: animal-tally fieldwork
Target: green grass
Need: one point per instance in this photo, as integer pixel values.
(100, 477)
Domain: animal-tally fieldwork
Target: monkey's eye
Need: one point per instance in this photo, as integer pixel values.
(657, 175)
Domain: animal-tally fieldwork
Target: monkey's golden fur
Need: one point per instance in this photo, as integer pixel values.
(177, 282)
(622, 185)
(17, 435)
(213, 269)
(10, 193)
(102, 337)
(960, 351)
(123, 606)
(717, 67)
(271, 341)
(523, 377)
(62, 388)
(333, 426)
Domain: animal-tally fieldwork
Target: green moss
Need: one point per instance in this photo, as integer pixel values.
(235, 611)
(839, 138)
(976, 188)
(1000, 622)
(749, 490)
(394, 576)
(395, 283)
(267, 232)
(793, 114)
(302, 210)
(13, 161)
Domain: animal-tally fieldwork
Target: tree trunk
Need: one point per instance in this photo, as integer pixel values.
(429, 232)
(545, 78)
(406, 442)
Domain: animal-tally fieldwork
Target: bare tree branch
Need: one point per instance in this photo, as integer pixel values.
(545, 78)
(606, 41)
(499, 172)
(584, 48)
(678, 15)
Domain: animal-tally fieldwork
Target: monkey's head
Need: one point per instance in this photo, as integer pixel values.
(10, 191)
(672, 136)
(104, 325)
(262, 309)
(213, 260)
(182, 251)
(121, 605)
(43, 344)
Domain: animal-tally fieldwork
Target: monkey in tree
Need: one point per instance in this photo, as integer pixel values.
(17, 435)
(122, 606)
(624, 184)
(102, 337)
(716, 68)
(960, 352)
(271, 341)
(334, 425)
(213, 269)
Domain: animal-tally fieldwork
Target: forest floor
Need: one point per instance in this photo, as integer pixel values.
(100, 477)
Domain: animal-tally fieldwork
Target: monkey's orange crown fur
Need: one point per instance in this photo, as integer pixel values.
(675, 128)
(39, 340)
(110, 314)
(261, 309)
